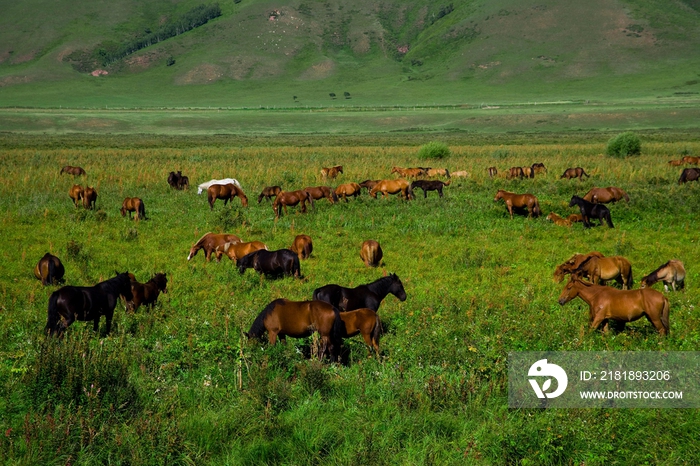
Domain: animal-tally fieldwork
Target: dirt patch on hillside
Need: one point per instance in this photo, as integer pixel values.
(12, 80)
(206, 73)
(143, 62)
(4, 56)
(320, 70)
(16, 59)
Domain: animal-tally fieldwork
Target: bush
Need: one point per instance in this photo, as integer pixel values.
(624, 145)
(434, 150)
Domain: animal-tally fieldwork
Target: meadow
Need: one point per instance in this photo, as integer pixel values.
(180, 384)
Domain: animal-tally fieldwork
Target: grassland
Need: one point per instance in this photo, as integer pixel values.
(180, 385)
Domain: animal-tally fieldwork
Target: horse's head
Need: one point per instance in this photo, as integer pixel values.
(193, 251)
(244, 199)
(334, 196)
(246, 262)
(570, 291)
(397, 287)
(395, 170)
(575, 200)
(161, 281)
(499, 195)
(124, 284)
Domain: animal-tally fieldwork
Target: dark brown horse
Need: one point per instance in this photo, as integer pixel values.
(367, 184)
(348, 190)
(133, 204)
(291, 198)
(271, 263)
(493, 171)
(210, 242)
(147, 293)
(77, 171)
(331, 172)
(538, 168)
(519, 201)
(671, 273)
(269, 192)
(571, 264)
(178, 180)
(322, 192)
(235, 251)
(370, 295)
(76, 193)
(49, 270)
(366, 322)
(371, 253)
(302, 246)
(620, 306)
(89, 197)
(429, 185)
(577, 172)
(606, 195)
(299, 319)
(387, 187)
(689, 174)
(226, 192)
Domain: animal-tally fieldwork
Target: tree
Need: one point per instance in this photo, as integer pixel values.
(332, 94)
(346, 94)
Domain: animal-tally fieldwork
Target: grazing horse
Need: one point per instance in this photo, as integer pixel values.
(676, 163)
(271, 263)
(369, 295)
(590, 210)
(519, 201)
(350, 190)
(178, 180)
(299, 319)
(235, 251)
(672, 272)
(528, 172)
(71, 303)
(493, 171)
(371, 253)
(538, 168)
(302, 246)
(76, 193)
(621, 306)
(387, 187)
(577, 172)
(689, 159)
(575, 218)
(409, 172)
(269, 192)
(209, 183)
(331, 172)
(210, 242)
(89, 197)
(459, 174)
(77, 171)
(605, 195)
(572, 264)
(322, 192)
(367, 184)
(133, 204)
(600, 269)
(226, 192)
(562, 222)
(433, 185)
(515, 172)
(147, 293)
(49, 270)
(366, 322)
(689, 174)
(291, 198)
(437, 172)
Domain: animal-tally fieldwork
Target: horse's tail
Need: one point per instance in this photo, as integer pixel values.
(664, 315)
(583, 172)
(296, 267)
(52, 272)
(536, 211)
(258, 327)
(447, 183)
(142, 210)
(376, 331)
(447, 173)
(53, 318)
(608, 219)
(337, 332)
(630, 279)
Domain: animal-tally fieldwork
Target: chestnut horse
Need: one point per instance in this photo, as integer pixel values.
(226, 192)
(371, 253)
(605, 195)
(302, 246)
(89, 197)
(209, 242)
(387, 187)
(409, 172)
(599, 269)
(291, 198)
(572, 264)
(438, 172)
(76, 193)
(331, 172)
(235, 251)
(147, 293)
(429, 185)
(562, 222)
(459, 174)
(672, 272)
(366, 322)
(367, 184)
(577, 172)
(133, 204)
(269, 192)
(689, 159)
(515, 172)
(72, 170)
(689, 174)
(676, 163)
(322, 192)
(349, 189)
(519, 201)
(575, 218)
(209, 183)
(621, 306)
(49, 270)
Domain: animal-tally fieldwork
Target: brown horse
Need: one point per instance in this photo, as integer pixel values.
(519, 201)
(572, 264)
(538, 168)
(689, 159)
(322, 192)
(209, 242)
(676, 163)
(331, 172)
(89, 197)
(77, 171)
(76, 193)
(493, 171)
(459, 174)
(291, 198)
(302, 246)
(528, 172)
(577, 172)
(269, 192)
(226, 192)
(515, 172)
(409, 172)
(600, 269)
(147, 293)
(575, 218)
(605, 195)
(367, 184)
(349, 190)
(672, 272)
(299, 319)
(430, 185)
(364, 321)
(178, 180)
(387, 187)
(689, 174)
(431, 172)
(621, 306)
(371, 253)
(133, 204)
(49, 270)
(562, 222)
(235, 251)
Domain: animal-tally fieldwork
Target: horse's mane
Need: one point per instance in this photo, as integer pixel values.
(202, 238)
(654, 276)
(580, 266)
(382, 283)
(258, 327)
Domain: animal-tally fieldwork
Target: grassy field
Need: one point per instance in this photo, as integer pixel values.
(180, 385)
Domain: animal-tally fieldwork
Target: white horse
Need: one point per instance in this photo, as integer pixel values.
(205, 186)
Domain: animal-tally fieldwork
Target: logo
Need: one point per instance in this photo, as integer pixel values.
(543, 369)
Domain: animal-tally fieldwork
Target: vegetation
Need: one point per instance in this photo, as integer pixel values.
(433, 150)
(624, 145)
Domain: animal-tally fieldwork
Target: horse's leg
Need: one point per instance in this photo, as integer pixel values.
(96, 323)
(510, 209)
(656, 322)
(598, 319)
(108, 316)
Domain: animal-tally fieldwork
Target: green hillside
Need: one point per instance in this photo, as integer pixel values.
(395, 52)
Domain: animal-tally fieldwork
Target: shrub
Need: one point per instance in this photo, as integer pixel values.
(434, 150)
(624, 145)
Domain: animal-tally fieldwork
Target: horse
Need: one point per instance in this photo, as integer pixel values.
(299, 319)
(432, 185)
(672, 272)
(210, 242)
(528, 172)
(588, 210)
(322, 192)
(302, 246)
(689, 174)
(226, 192)
(369, 295)
(178, 180)
(515, 172)
(575, 218)
(331, 172)
(387, 187)
(71, 303)
(77, 171)
(133, 204)
(577, 172)
(147, 293)
(235, 251)
(676, 163)
(437, 172)
(269, 192)
(599, 269)
(89, 197)
(364, 321)
(519, 201)
(209, 183)
(620, 306)
(291, 198)
(538, 168)
(351, 189)
(49, 270)
(493, 171)
(689, 159)
(605, 195)
(271, 263)
(367, 184)
(409, 172)
(562, 222)
(459, 174)
(572, 264)
(371, 253)
(76, 193)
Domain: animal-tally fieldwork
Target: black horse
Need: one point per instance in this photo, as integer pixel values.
(72, 303)
(369, 295)
(271, 263)
(429, 185)
(689, 174)
(590, 210)
(178, 180)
